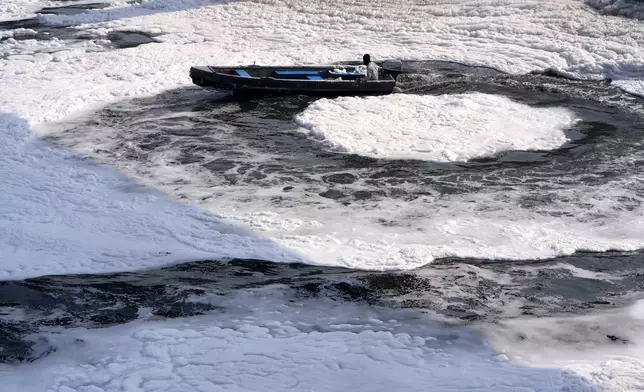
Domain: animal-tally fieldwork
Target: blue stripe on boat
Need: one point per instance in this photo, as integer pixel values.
(242, 72)
(314, 77)
(296, 74)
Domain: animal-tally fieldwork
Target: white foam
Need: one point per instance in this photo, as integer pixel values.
(262, 340)
(18, 9)
(392, 233)
(58, 214)
(125, 9)
(636, 311)
(436, 128)
(484, 224)
(573, 270)
(63, 215)
(605, 348)
(632, 86)
(513, 35)
(579, 272)
(311, 345)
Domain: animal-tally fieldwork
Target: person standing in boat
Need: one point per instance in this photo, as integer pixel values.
(372, 68)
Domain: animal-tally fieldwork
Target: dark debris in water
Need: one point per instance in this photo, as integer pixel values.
(72, 9)
(28, 23)
(14, 347)
(37, 29)
(129, 39)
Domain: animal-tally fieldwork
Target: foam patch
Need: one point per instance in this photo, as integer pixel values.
(436, 128)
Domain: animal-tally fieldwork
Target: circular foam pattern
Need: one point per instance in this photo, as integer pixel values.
(444, 128)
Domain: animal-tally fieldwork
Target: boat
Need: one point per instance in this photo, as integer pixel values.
(325, 80)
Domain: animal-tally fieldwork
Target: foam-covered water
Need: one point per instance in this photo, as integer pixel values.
(317, 345)
(212, 178)
(251, 164)
(514, 36)
(434, 128)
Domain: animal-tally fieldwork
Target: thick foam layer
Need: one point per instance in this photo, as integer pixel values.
(45, 80)
(53, 81)
(635, 87)
(312, 345)
(606, 348)
(15, 9)
(261, 339)
(376, 215)
(436, 128)
(63, 215)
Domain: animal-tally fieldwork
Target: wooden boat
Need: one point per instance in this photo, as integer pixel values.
(307, 80)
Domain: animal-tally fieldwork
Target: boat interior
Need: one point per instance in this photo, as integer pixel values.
(303, 73)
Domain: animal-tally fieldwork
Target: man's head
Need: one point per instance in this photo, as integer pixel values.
(366, 59)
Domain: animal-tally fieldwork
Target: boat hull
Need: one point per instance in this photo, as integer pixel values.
(220, 78)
